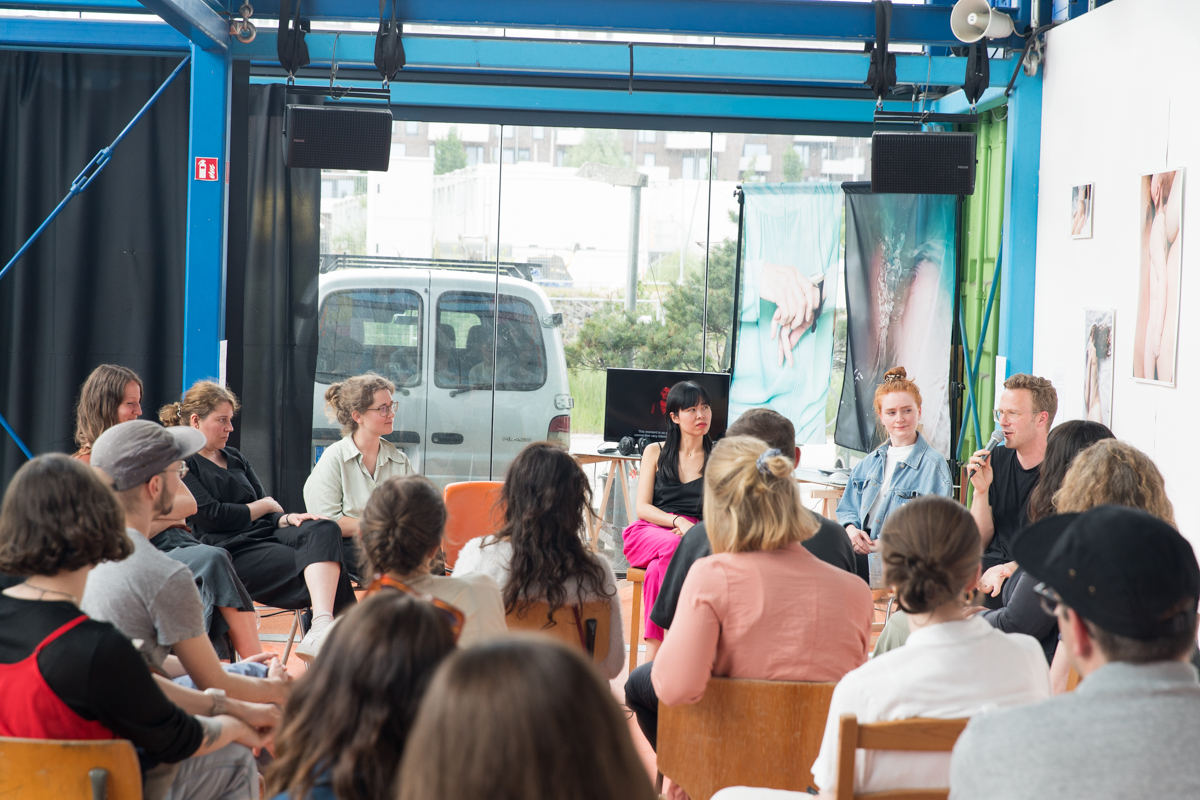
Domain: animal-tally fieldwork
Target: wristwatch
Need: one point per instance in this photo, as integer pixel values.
(218, 698)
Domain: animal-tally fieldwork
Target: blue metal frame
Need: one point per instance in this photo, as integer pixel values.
(1023, 161)
(204, 279)
(195, 19)
(82, 36)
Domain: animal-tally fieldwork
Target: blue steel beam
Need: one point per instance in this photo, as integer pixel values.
(787, 19)
(195, 19)
(204, 277)
(91, 36)
(1023, 157)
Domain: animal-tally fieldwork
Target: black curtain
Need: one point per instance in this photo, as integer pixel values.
(279, 304)
(105, 282)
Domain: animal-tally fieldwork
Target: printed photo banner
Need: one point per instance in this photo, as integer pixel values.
(791, 239)
(900, 270)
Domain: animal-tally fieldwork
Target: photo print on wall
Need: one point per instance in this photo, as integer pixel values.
(1081, 210)
(1098, 365)
(1160, 251)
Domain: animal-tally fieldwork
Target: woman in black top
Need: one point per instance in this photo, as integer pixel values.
(63, 675)
(286, 560)
(670, 497)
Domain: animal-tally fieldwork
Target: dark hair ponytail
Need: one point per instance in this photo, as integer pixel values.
(684, 394)
(930, 549)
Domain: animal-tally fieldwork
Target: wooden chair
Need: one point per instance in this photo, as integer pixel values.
(472, 511)
(1073, 679)
(589, 631)
(744, 733)
(920, 734)
(637, 577)
(69, 770)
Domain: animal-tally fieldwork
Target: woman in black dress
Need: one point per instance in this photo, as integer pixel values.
(285, 560)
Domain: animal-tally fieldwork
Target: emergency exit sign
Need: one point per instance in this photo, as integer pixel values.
(206, 169)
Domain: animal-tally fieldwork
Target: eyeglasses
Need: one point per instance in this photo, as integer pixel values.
(453, 616)
(1004, 416)
(183, 470)
(1048, 598)
(387, 410)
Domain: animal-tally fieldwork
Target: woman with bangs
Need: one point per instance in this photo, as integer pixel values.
(670, 495)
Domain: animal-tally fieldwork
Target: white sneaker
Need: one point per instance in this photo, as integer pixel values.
(308, 648)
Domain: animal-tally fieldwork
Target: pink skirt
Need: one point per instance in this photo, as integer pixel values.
(650, 547)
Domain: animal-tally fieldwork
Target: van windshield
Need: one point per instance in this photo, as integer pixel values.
(465, 345)
(377, 330)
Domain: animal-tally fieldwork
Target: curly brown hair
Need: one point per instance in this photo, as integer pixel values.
(352, 395)
(547, 499)
(930, 551)
(99, 399)
(351, 713)
(59, 516)
(1112, 472)
(202, 399)
(403, 520)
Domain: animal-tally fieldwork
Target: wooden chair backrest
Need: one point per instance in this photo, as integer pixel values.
(637, 577)
(744, 733)
(920, 734)
(472, 510)
(532, 617)
(1072, 679)
(60, 769)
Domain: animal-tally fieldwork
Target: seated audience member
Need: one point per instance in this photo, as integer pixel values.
(952, 667)
(1124, 585)
(350, 469)
(829, 543)
(1111, 472)
(901, 468)
(670, 494)
(538, 554)
(400, 535)
(65, 676)
(348, 718)
(111, 395)
(761, 606)
(148, 596)
(521, 718)
(1021, 611)
(286, 560)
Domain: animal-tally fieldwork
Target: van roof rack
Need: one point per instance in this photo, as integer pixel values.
(335, 261)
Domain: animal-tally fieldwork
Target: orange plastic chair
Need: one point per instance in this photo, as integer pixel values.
(473, 510)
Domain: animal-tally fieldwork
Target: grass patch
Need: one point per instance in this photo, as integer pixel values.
(587, 387)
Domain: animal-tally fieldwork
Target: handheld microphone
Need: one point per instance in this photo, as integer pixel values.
(997, 439)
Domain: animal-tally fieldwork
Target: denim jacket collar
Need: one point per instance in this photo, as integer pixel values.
(921, 446)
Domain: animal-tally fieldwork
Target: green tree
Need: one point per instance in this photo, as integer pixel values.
(449, 153)
(599, 146)
(793, 170)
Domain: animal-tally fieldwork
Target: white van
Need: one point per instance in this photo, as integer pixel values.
(432, 328)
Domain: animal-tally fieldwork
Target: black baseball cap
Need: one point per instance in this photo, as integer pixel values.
(1121, 568)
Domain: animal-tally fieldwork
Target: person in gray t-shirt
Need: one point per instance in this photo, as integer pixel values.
(1124, 586)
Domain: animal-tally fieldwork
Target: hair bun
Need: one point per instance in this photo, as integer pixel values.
(895, 374)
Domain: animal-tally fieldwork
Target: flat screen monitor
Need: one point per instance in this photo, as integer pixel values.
(635, 402)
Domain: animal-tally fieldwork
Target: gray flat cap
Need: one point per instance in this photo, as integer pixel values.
(134, 452)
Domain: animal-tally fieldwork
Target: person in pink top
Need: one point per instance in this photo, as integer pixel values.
(761, 606)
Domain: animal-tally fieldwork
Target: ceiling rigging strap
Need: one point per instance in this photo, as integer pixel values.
(291, 47)
(389, 49)
(978, 73)
(881, 77)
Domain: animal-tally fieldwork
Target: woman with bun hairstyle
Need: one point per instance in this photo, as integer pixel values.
(400, 535)
(286, 560)
(761, 606)
(350, 469)
(670, 495)
(902, 468)
(951, 667)
(112, 394)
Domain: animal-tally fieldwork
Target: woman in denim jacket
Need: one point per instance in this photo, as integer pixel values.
(901, 468)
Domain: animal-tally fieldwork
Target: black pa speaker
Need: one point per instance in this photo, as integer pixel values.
(923, 163)
(327, 137)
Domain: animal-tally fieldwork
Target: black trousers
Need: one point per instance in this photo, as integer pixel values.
(643, 701)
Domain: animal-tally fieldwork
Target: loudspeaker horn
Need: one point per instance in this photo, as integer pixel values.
(972, 20)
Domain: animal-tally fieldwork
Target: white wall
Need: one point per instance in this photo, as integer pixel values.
(1118, 104)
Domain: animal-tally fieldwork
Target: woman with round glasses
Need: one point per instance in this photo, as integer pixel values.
(287, 560)
(350, 469)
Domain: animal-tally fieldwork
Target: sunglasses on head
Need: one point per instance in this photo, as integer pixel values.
(453, 616)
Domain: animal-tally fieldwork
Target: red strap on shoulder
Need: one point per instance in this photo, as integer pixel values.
(60, 632)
